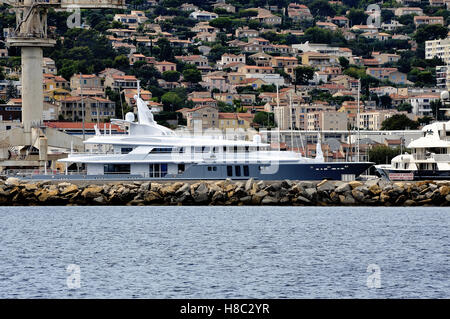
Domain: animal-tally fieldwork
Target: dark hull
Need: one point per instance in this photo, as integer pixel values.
(285, 171)
(397, 175)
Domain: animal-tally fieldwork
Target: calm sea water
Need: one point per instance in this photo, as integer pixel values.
(224, 252)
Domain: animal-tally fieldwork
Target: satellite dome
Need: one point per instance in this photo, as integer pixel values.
(129, 117)
(444, 95)
(256, 138)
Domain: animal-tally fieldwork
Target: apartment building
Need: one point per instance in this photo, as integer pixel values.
(421, 104)
(372, 120)
(202, 117)
(326, 121)
(438, 48)
(95, 108)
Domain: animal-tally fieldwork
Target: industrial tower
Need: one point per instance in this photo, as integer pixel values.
(31, 36)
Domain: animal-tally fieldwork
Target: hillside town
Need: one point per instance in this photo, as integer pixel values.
(317, 65)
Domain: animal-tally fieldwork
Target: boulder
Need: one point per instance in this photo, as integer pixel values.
(183, 189)
(91, 191)
(248, 185)
(31, 187)
(306, 184)
(152, 196)
(12, 181)
(325, 186)
(269, 200)
(345, 187)
(309, 193)
(246, 199)
(99, 199)
(47, 196)
(346, 200)
(358, 195)
(71, 188)
(201, 193)
(409, 202)
(375, 189)
(303, 200)
(354, 184)
(444, 190)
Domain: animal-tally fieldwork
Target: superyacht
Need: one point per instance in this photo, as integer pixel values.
(154, 152)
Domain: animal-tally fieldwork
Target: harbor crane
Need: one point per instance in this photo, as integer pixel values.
(31, 36)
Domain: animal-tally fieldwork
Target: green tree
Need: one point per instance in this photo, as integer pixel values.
(399, 122)
(321, 8)
(430, 32)
(192, 75)
(171, 76)
(357, 16)
(222, 23)
(303, 74)
(405, 107)
(171, 101)
(264, 119)
(165, 50)
(386, 101)
(382, 154)
(121, 62)
(343, 61)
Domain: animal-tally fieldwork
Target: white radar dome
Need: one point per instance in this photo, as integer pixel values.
(256, 138)
(129, 117)
(444, 95)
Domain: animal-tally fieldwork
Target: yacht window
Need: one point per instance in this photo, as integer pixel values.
(235, 149)
(229, 170)
(180, 168)
(237, 170)
(126, 150)
(246, 170)
(161, 150)
(117, 169)
(157, 170)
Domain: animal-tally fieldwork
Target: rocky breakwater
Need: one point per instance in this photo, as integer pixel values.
(298, 193)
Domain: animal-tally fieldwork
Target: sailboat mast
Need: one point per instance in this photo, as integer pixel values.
(357, 119)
